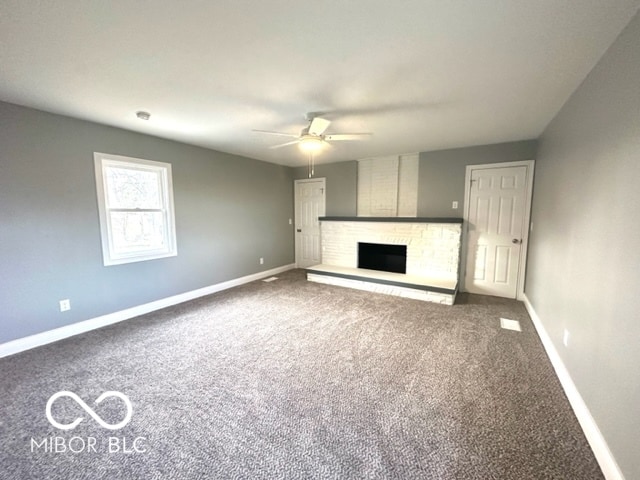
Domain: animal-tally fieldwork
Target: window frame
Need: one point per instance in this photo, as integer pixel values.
(109, 255)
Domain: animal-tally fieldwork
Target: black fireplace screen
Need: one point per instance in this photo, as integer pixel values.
(378, 256)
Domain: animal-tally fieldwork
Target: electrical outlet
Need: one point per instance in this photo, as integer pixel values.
(454, 205)
(261, 261)
(565, 338)
(290, 222)
(65, 305)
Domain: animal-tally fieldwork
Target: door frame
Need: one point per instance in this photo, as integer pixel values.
(295, 211)
(522, 265)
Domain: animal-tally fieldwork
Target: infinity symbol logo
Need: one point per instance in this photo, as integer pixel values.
(87, 409)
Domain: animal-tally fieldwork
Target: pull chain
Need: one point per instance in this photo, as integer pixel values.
(311, 164)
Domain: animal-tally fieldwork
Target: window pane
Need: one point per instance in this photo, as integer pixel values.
(137, 231)
(133, 188)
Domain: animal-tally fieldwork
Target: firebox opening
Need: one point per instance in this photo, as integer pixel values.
(379, 256)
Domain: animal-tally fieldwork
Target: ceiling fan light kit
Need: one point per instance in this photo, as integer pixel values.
(310, 143)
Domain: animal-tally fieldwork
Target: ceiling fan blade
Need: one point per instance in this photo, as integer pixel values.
(348, 136)
(269, 132)
(318, 126)
(283, 144)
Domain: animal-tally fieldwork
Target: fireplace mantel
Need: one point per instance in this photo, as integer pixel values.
(393, 219)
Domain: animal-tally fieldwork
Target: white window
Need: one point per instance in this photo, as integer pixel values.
(135, 203)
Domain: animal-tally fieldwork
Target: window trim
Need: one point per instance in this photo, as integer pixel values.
(101, 162)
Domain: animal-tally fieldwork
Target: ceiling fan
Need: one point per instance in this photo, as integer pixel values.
(312, 138)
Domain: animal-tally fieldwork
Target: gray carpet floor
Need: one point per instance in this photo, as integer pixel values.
(292, 379)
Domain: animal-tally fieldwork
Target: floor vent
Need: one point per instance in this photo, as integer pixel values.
(270, 279)
(510, 324)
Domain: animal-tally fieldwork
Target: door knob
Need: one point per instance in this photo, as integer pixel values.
(515, 240)
(299, 230)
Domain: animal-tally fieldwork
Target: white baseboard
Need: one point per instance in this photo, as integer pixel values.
(598, 444)
(32, 341)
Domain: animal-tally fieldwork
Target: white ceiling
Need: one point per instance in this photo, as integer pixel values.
(420, 74)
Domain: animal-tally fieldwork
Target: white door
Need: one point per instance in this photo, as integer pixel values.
(497, 218)
(309, 204)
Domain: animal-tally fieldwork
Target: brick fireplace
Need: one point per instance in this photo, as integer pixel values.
(432, 255)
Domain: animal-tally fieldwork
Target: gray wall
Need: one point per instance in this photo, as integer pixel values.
(442, 173)
(230, 211)
(584, 252)
(441, 177)
(342, 183)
